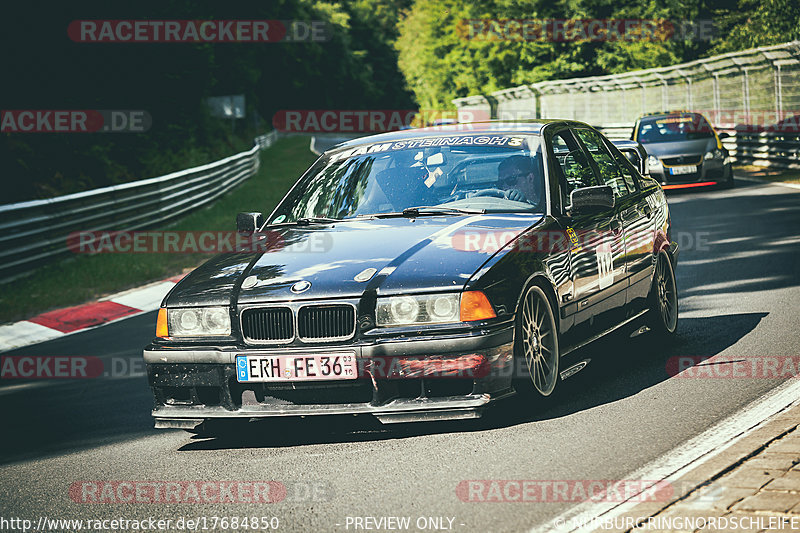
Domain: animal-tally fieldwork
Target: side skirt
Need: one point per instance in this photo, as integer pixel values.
(602, 334)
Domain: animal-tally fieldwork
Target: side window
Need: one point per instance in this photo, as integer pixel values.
(573, 167)
(610, 172)
(559, 144)
(624, 163)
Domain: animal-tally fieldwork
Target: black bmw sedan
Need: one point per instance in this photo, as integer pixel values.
(421, 275)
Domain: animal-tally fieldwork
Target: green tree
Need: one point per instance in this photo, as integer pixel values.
(754, 23)
(443, 56)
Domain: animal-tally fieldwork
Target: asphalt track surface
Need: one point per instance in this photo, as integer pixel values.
(738, 277)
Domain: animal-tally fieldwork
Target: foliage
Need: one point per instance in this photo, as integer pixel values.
(355, 69)
(754, 23)
(382, 54)
(443, 57)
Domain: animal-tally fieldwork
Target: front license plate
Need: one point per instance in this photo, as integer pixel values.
(317, 367)
(685, 169)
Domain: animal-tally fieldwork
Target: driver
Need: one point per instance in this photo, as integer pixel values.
(516, 176)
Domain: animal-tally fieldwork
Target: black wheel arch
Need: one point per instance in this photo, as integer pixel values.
(544, 282)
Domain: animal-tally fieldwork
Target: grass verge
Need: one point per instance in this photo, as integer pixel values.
(83, 278)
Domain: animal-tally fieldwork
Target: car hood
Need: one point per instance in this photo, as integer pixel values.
(408, 255)
(671, 149)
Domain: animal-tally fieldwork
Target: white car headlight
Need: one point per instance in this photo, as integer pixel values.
(716, 153)
(422, 309)
(199, 322)
(652, 161)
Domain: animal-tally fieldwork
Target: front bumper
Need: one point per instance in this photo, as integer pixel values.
(674, 251)
(709, 173)
(194, 384)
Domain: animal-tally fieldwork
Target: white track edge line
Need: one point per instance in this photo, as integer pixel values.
(4, 349)
(683, 458)
(111, 298)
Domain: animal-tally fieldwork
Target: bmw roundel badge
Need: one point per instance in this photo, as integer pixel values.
(301, 286)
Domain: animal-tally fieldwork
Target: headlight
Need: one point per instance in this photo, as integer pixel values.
(653, 161)
(716, 153)
(423, 309)
(199, 322)
(432, 309)
(402, 310)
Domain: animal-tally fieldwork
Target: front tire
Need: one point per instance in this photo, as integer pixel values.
(663, 313)
(728, 184)
(537, 342)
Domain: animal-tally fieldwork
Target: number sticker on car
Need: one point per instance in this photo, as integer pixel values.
(605, 265)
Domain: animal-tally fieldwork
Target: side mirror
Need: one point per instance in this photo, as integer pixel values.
(591, 199)
(249, 222)
(723, 135)
(635, 158)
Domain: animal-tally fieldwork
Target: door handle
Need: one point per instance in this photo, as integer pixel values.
(616, 226)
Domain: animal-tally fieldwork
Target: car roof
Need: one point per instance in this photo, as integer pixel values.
(530, 127)
(669, 113)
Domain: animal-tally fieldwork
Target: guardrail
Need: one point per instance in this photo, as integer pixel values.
(34, 232)
(616, 131)
(265, 141)
(767, 148)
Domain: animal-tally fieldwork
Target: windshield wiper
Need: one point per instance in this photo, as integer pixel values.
(418, 211)
(307, 221)
(413, 212)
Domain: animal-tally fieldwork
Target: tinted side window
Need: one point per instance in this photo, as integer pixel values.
(610, 172)
(624, 166)
(573, 164)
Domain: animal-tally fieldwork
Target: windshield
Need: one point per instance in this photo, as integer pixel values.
(684, 127)
(491, 173)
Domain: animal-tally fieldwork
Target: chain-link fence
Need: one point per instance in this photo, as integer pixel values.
(753, 94)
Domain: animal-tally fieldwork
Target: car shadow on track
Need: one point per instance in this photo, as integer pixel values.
(738, 241)
(620, 367)
(50, 417)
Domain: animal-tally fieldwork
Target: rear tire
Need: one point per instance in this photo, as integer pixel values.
(663, 307)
